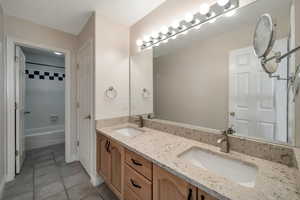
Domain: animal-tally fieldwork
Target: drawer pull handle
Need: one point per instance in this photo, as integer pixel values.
(134, 184)
(191, 194)
(136, 163)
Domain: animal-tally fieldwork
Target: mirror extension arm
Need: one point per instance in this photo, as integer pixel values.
(279, 57)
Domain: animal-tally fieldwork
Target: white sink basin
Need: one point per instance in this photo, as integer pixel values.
(129, 131)
(234, 170)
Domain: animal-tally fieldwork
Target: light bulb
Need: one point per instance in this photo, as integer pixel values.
(174, 37)
(58, 53)
(189, 17)
(147, 38)
(230, 13)
(223, 2)
(164, 30)
(204, 9)
(197, 21)
(175, 24)
(139, 43)
(165, 41)
(155, 34)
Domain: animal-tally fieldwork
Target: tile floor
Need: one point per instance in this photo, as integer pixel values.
(46, 176)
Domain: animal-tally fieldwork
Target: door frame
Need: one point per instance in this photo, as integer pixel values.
(11, 98)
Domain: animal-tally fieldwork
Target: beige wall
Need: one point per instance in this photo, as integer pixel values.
(2, 105)
(38, 34)
(111, 68)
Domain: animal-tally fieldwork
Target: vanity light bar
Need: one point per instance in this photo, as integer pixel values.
(206, 14)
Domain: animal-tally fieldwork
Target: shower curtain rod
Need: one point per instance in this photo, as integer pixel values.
(34, 63)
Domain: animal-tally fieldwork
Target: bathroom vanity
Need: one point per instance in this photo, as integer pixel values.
(132, 177)
(152, 164)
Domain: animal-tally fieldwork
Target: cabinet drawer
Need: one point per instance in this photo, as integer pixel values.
(129, 195)
(137, 184)
(139, 163)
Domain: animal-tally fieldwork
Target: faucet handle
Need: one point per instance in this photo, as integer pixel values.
(231, 131)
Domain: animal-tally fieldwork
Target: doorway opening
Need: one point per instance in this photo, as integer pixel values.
(38, 80)
(40, 100)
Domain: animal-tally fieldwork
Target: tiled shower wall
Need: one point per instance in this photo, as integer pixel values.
(45, 104)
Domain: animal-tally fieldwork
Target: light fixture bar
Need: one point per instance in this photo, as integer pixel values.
(215, 11)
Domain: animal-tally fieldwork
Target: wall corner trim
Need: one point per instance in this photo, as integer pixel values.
(2, 184)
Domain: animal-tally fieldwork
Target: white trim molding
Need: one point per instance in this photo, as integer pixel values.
(2, 184)
(96, 180)
(10, 90)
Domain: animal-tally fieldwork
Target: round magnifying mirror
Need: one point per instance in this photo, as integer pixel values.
(271, 66)
(264, 36)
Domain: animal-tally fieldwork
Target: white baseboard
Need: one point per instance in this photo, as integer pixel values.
(45, 139)
(73, 158)
(96, 180)
(2, 184)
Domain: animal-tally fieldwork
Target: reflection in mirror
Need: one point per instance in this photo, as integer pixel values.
(211, 77)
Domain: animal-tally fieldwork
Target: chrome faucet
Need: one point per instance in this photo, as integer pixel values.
(140, 121)
(224, 142)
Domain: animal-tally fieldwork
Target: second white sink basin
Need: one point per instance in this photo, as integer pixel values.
(129, 131)
(234, 170)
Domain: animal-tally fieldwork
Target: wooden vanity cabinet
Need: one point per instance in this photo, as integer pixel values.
(132, 177)
(166, 186)
(110, 157)
(117, 159)
(104, 167)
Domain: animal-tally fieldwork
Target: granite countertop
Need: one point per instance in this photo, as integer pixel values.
(273, 182)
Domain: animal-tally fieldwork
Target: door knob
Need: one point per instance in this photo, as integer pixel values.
(232, 114)
(88, 117)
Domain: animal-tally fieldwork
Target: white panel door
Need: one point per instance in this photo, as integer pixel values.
(258, 103)
(242, 87)
(84, 76)
(20, 108)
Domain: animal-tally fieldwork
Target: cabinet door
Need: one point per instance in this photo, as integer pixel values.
(117, 160)
(168, 187)
(204, 196)
(105, 159)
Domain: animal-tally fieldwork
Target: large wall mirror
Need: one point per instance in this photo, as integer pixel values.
(211, 78)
